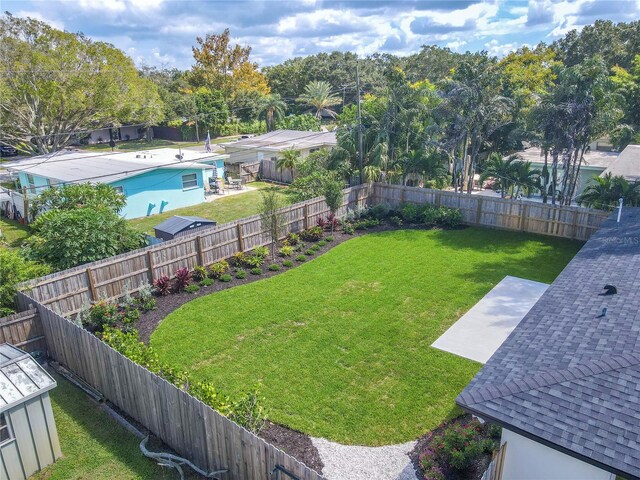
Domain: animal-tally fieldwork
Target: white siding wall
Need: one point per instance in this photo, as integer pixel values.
(529, 460)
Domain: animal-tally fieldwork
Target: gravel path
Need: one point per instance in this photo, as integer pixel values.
(346, 462)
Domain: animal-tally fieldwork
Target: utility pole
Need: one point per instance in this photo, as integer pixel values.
(359, 124)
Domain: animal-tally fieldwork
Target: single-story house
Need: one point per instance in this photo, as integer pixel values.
(153, 181)
(124, 133)
(627, 164)
(28, 435)
(270, 145)
(179, 225)
(565, 385)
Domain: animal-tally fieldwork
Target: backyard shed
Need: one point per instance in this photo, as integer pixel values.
(28, 435)
(179, 225)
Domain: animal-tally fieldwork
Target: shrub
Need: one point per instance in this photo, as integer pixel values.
(206, 282)
(409, 212)
(183, 279)
(218, 269)
(226, 278)
(240, 274)
(199, 273)
(262, 252)
(329, 239)
(102, 314)
(312, 234)
(380, 211)
(292, 239)
(287, 263)
(321, 243)
(192, 288)
(299, 247)
(274, 267)
(14, 268)
(396, 221)
(162, 285)
(315, 247)
(450, 217)
(253, 261)
(332, 221)
(238, 259)
(145, 298)
(321, 222)
(366, 223)
(129, 315)
(348, 228)
(300, 258)
(248, 412)
(286, 251)
(256, 271)
(430, 215)
(308, 252)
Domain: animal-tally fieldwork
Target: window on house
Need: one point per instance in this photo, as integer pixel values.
(189, 181)
(5, 432)
(314, 150)
(31, 182)
(119, 189)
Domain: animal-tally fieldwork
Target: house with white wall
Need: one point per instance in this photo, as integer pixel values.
(152, 181)
(565, 385)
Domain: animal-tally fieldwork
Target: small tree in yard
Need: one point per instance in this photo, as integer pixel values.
(333, 196)
(272, 219)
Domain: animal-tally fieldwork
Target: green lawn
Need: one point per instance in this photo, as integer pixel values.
(13, 233)
(131, 145)
(221, 210)
(93, 445)
(341, 345)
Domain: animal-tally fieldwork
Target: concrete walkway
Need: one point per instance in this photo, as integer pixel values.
(351, 462)
(480, 331)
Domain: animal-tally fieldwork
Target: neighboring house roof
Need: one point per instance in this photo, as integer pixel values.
(594, 159)
(284, 139)
(178, 223)
(569, 376)
(79, 167)
(21, 377)
(627, 164)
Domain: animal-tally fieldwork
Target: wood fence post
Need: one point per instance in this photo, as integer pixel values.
(150, 258)
(306, 216)
(403, 194)
(524, 211)
(200, 254)
(25, 204)
(437, 198)
(92, 285)
(478, 210)
(240, 241)
(574, 233)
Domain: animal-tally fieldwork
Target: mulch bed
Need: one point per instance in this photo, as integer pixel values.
(296, 444)
(474, 473)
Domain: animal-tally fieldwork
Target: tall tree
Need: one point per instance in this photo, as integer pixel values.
(56, 83)
(290, 158)
(273, 108)
(319, 97)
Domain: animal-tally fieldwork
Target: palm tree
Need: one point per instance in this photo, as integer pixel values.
(604, 192)
(526, 178)
(344, 156)
(290, 159)
(503, 171)
(319, 97)
(429, 165)
(273, 108)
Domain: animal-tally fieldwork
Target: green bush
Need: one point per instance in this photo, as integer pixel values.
(292, 239)
(286, 251)
(300, 258)
(146, 300)
(366, 223)
(380, 211)
(348, 228)
(321, 243)
(253, 261)
(309, 252)
(206, 282)
(102, 314)
(14, 268)
(274, 267)
(329, 239)
(312, 234)
(240, 274)
(256, 271)
(193, 288)
(238, 259)
(409, 212)
(129, 315)
(262, 252)
(450, 217)
(430, 215)
(287, 263)
(396, 221)
(199, 273)
(225, 278)
(315, 247)
(216, 270)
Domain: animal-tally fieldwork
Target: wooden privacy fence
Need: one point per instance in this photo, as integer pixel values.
(191, 428)
(269, 171)
(23, 330)
(533, 217)
(65, 292)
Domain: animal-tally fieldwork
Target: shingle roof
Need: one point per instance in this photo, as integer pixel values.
(20, 377)
(284, 139)
(627, 164)
(567, 375)
(78, 167)
(177, 223)
(594, 158)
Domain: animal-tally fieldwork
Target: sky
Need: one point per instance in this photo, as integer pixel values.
(162, 32)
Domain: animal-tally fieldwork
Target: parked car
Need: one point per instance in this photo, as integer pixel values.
(7, 150)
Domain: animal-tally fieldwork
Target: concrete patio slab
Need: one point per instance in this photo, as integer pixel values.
(480, 331)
